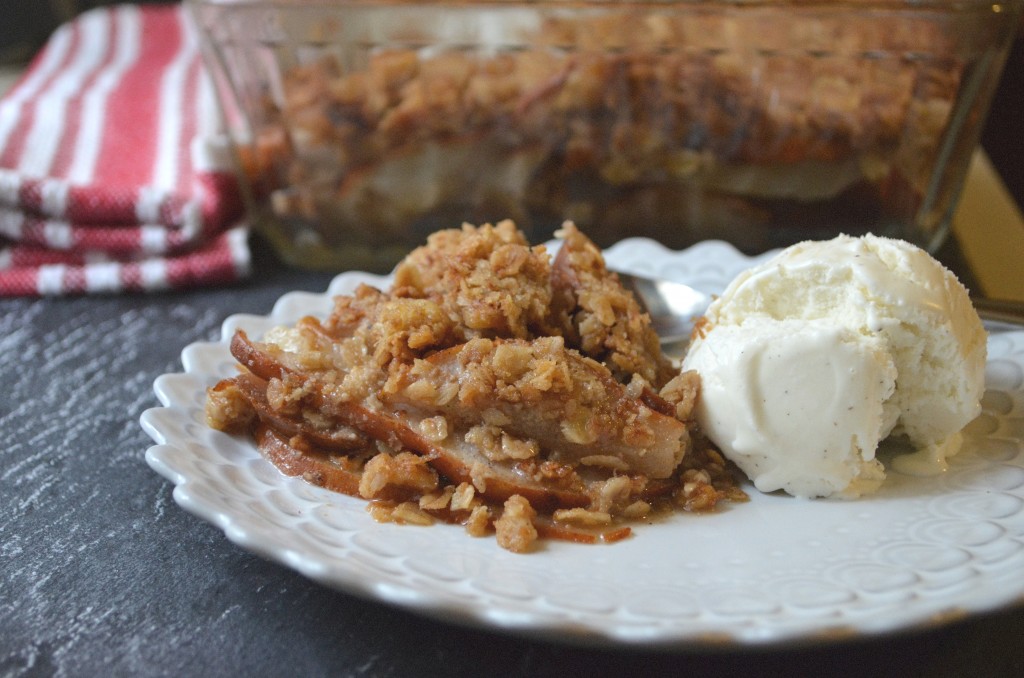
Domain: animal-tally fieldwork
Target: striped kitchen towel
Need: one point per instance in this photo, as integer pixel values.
(114, 172)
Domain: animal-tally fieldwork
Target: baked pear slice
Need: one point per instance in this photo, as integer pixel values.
(540, 399)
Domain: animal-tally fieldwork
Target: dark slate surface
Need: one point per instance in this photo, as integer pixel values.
(103, 574)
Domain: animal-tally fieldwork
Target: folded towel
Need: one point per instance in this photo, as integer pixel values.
(114, 171)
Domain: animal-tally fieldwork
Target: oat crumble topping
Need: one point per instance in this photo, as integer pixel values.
(490, 387)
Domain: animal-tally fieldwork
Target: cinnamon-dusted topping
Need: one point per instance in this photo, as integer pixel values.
(404, 513)
(488, 280)
(400, 398)
(463, 497)
(605, 320)
(434, 428)
(515, 529)
(697, 493)
(498, 445)
(405, 470)
(227, 409)
(479, 521)
(625, 119)
(681, 392)
(437, 501)
(402, 98)
(583, 517)
(390, 327)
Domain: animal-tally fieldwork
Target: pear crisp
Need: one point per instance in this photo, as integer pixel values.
(674, 125)
(493, 386)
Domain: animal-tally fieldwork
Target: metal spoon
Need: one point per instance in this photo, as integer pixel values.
(673, 307)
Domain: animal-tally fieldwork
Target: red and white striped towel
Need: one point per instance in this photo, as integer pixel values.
(113, 172)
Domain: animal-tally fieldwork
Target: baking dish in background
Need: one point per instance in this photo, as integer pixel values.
(362, 125)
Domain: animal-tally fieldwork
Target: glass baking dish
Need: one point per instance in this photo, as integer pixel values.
(360, 126)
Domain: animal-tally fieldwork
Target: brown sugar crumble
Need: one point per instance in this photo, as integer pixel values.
(612, 120)
(491, 386)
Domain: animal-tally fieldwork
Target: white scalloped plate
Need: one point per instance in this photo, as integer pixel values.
(920, 552)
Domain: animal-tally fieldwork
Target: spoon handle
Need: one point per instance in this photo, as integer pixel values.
(1000, 310)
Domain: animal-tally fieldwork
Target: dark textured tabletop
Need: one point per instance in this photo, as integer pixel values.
(103, 574)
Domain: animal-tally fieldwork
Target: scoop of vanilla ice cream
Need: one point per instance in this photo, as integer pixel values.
(810, 359)
(797, 405)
